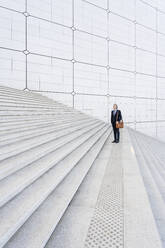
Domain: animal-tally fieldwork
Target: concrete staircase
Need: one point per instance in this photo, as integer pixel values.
(63, 184)
(150, 154)
(46, 152)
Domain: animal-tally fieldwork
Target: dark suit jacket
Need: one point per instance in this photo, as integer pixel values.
(117, 117)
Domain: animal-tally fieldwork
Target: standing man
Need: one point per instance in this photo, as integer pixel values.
(115, 118)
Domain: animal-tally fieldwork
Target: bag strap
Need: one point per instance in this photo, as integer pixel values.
(117, 115)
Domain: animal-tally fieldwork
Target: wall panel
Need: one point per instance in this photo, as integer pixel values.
(161, 66)
(145, 14)
(145, 110)
(90, 79)
(89, 54)
(121, 29)
(124, 8)
(12, 69)
(145, 62)
(55, 11)
(121, 56)
(102, 4)
(93, 105)
(161, 21)
(121, 83)
(49, 39)
(145, 38)
(161, 108)
(145, 86)
(86, 46)
(49, 74)
(12, 30)
(161, 87)
(18, 5)
(95, 23)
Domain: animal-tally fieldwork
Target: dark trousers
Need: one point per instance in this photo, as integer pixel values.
(116, 132)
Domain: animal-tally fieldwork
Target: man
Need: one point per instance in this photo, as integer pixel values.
(115, 118)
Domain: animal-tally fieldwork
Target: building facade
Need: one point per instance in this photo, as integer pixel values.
(89, 54)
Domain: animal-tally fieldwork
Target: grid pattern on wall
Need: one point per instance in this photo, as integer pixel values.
(89, 54)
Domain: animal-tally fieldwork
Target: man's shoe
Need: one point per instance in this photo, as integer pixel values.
(114, 141)
(117, 141)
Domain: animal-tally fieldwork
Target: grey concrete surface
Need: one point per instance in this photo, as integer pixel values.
(63, 184)
(140, 227)
(153, 176)
(72, 229)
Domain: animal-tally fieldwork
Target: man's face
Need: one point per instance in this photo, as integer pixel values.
(114, 107)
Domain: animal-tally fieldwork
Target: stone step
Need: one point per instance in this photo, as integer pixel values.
(29, 96)
(14, 134)
(21, 93)
(26, 110)
(32, 112)
(46, 152)
(63, 194)
(146, 166)
(34, 195)
(25, 107)
(15, 100)
(11, 185)
(16, 126)
(156, 147)
(24, 158)
(72, 229)
(46, 142)
(7, 99)
(23, 118)
(10, 102)
(155, 165)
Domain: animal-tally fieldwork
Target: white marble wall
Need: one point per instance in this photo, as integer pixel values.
(89, 54)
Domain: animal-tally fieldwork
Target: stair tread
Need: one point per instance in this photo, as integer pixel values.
(72, 229)
(37, 192)
(33, 125)
(10, 149)
(12, 164)
(155, 197)
(46, 151)
(31, 132)
(9, 120)
(55, 205)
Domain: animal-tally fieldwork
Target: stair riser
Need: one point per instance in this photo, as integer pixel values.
(20, 120)
(23, 94)
(26, 126)
(155, 198)
(76, 175)
(8, 100)
(18, 135)
(20, 146)
(7, 235)
(156, 171)
(35, 176)
(7, 167)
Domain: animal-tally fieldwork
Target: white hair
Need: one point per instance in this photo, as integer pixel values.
(116, 105)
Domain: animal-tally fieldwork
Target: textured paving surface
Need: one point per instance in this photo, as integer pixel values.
(106, 227)
(73, 227)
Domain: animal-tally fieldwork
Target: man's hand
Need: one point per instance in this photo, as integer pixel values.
(117, 122)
